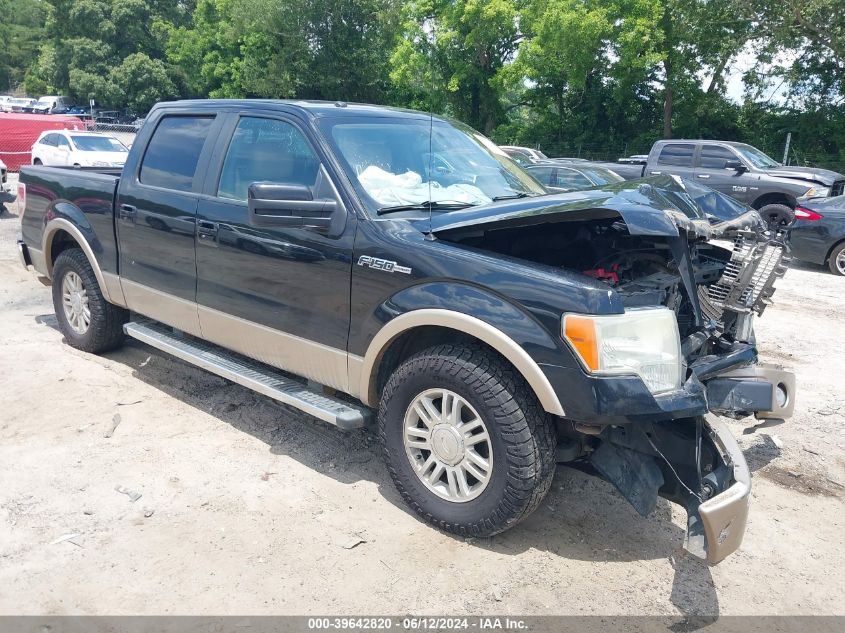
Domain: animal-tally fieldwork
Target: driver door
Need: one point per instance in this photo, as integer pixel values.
(711, 170)
(274, 251)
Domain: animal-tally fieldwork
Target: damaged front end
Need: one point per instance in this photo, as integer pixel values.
(662, 244)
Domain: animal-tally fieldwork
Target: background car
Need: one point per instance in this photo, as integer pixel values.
(818, 234)
(78, 149)
(523, 155)
(570, 176)
(18, 104)
(51, 104)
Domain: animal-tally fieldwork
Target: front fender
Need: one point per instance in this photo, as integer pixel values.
(482, 314)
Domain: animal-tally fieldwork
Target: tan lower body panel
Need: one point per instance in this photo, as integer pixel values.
(163, 307)
(323, 364)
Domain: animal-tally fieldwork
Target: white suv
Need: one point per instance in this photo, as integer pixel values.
(78, 149)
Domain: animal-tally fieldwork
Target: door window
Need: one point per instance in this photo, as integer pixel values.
(266, 150)
(174, 151)
(543, 174)
(715, 156)
(49, 139)
(63, 142)
(572, 179)
(677, 154)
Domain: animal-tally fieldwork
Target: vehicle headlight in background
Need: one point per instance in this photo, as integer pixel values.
(817, 192)
(642, 341)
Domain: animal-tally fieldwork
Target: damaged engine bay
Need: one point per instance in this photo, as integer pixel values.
(716, 271)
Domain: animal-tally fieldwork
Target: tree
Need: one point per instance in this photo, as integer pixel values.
(21, 30)
(460, 47)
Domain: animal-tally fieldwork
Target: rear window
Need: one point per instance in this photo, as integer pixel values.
(174, 151)
(677, 154)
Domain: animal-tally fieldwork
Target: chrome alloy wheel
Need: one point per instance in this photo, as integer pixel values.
(840, 262)
(75, 303)
(448, 445)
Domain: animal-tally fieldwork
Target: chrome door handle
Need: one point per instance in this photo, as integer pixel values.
(705, 176)
(127, 212)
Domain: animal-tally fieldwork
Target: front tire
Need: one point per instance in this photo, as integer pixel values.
(777, 215)
(87, 320)
(836, 262)
(467, 444)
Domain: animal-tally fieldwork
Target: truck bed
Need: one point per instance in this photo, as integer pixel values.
(84, 196)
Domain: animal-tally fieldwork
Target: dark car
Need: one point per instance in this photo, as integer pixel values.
(818, 235)
(572, 176)
(401, 259)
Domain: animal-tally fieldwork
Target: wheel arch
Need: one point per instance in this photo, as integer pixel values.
(61, 234)
(774, 197)
(836, 245)
(416, 330)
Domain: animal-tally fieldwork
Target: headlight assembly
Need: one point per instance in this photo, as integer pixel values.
(642, 341)
(817, 192)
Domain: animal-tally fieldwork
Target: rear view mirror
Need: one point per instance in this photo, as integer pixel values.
(288, 205)
(735, 165)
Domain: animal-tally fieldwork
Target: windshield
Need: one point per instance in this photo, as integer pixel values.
(756, 157)
(98, 144)
(397, 162)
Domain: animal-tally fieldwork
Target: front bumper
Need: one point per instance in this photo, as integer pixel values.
(723, 516)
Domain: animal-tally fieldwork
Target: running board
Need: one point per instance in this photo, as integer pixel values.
(249, 373)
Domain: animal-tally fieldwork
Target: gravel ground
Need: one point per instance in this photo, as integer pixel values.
(249, 507)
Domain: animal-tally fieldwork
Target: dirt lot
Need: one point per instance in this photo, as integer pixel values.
(249, 507)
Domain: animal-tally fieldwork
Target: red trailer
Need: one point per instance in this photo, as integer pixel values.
(19, 131)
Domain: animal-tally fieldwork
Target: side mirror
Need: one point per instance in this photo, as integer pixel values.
(735, 165)
(288, 205)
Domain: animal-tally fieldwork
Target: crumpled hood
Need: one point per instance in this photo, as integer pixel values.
(653, 206)
(815, 174)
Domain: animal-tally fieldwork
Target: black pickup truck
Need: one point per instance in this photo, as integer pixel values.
(350, 259)
(739, 170)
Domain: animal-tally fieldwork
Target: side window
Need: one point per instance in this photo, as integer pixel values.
(62, 142)
(543, 174)
(266, 150)
(715, 156)
(572, 179)
(49, 139)
(677, 154)
(174, 151)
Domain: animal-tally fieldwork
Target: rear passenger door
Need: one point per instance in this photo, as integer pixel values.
(269, 285)
(675, 159)
(156, 218)
(711, 171)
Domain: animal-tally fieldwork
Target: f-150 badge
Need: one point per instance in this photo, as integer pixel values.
(382, 264)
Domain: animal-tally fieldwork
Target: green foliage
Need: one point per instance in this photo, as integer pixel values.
(589, 77)
(21, 33)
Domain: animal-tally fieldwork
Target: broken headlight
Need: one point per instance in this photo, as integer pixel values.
(642, 341)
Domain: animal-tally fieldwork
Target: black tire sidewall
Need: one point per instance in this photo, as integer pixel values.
(441, 510)
(782, 211)
(831, 262)
(74, 260)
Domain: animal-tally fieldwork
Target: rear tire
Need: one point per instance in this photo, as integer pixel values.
(87, 320)
(836, 262)
(37, 161)
(495, 470)
(777, 215)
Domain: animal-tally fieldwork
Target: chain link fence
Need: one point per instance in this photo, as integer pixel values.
(18, 136)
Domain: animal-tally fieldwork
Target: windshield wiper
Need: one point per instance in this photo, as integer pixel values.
(521, 194)
(428, 205)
